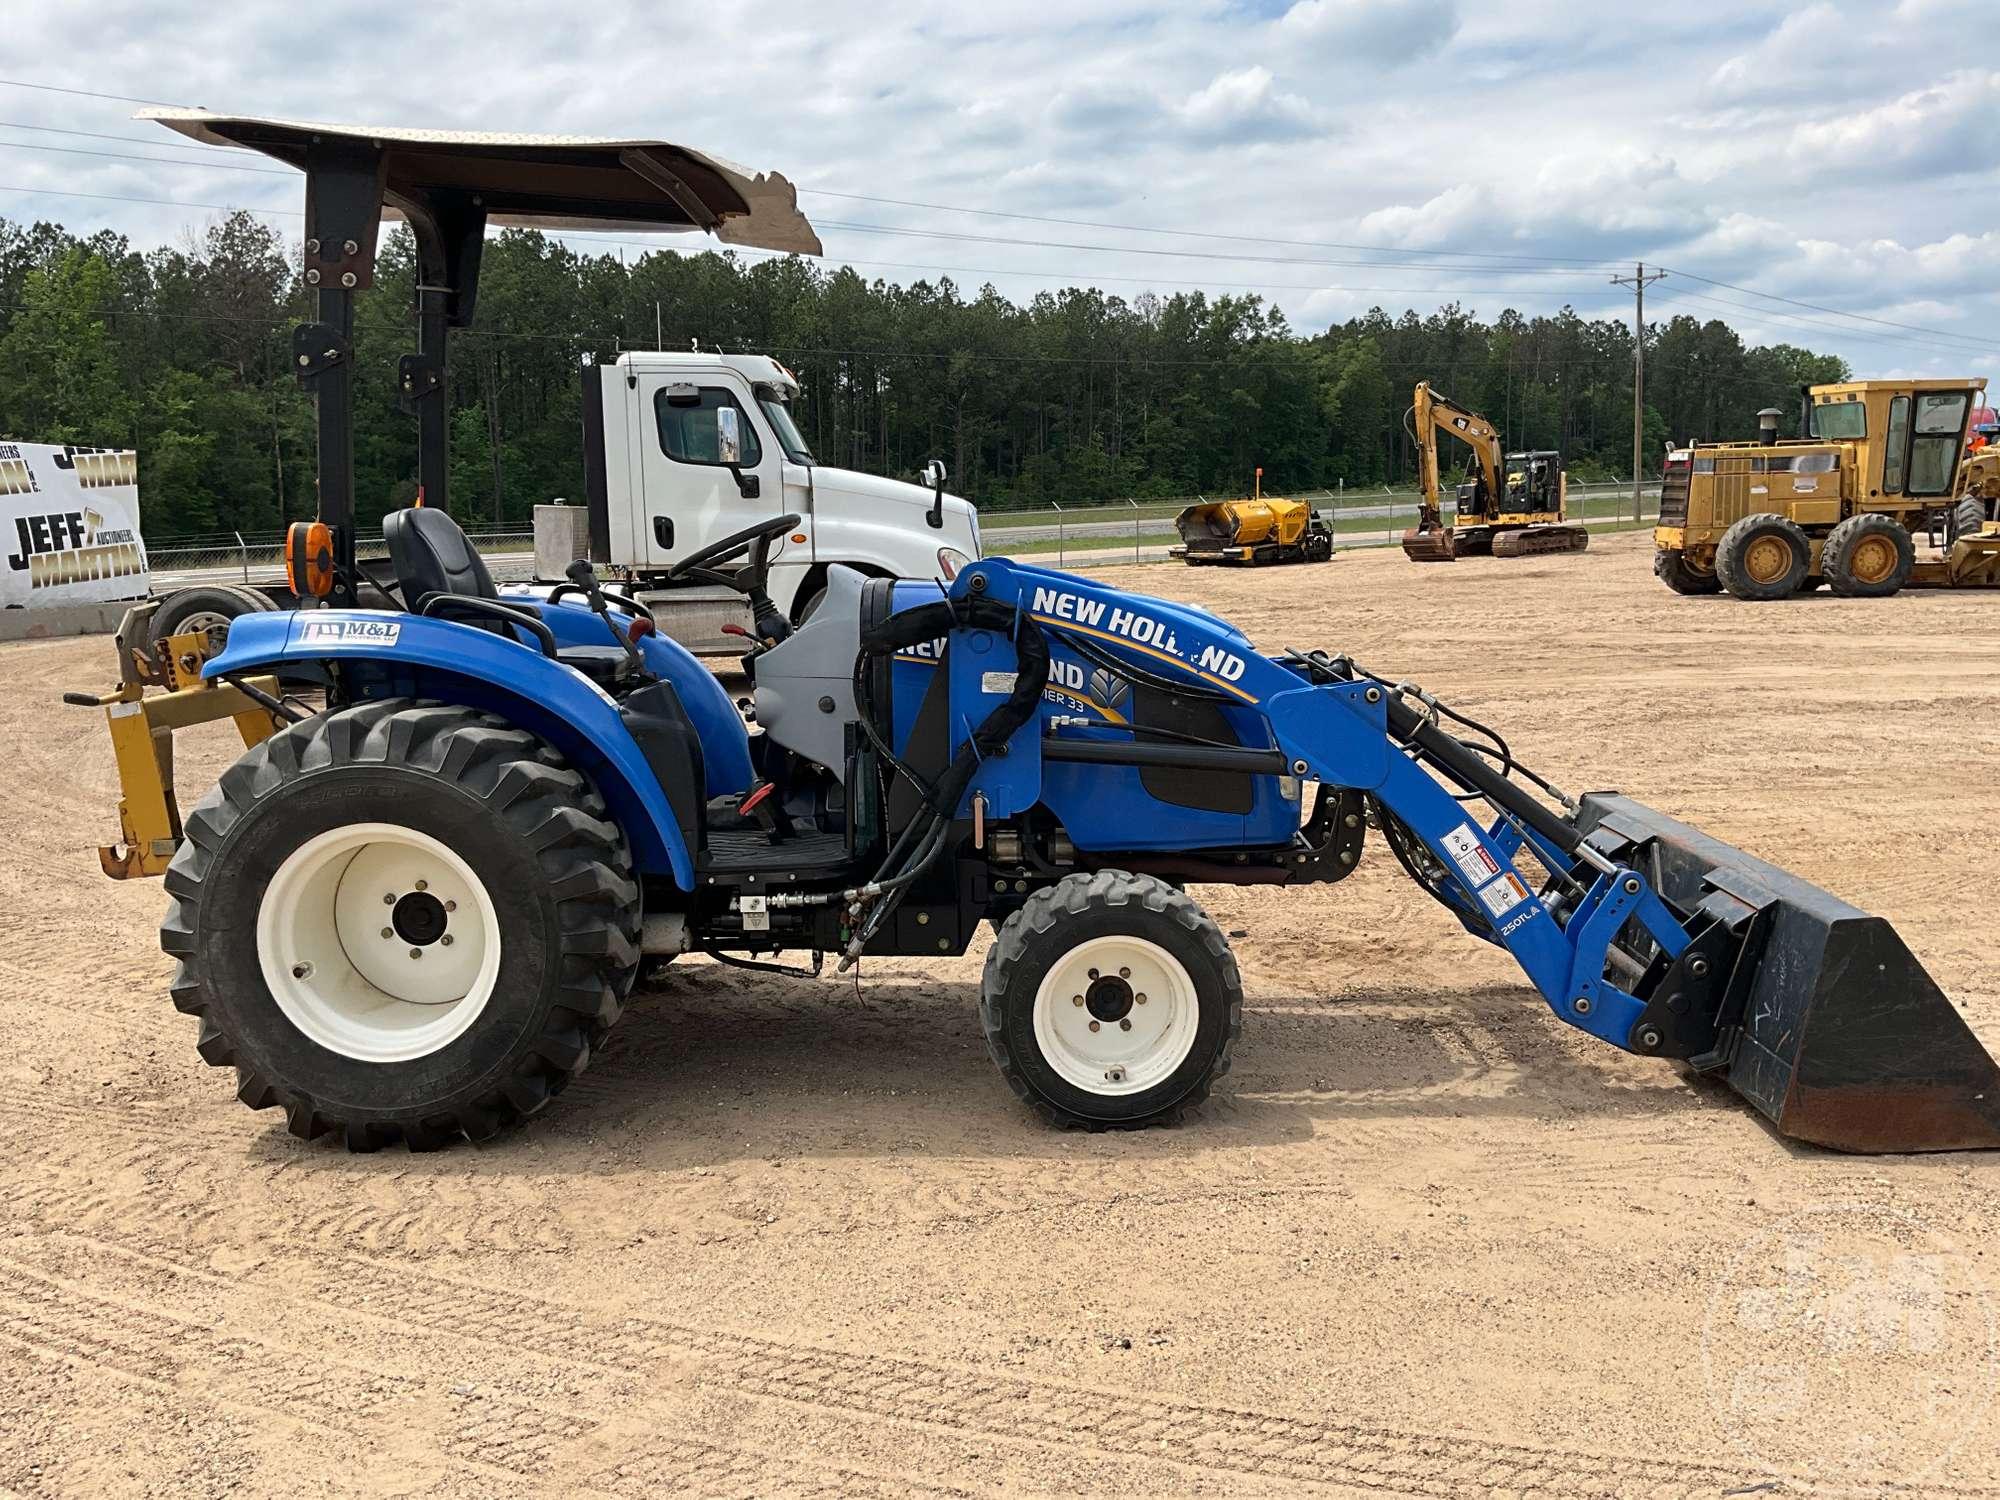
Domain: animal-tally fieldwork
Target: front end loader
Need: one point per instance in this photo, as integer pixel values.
(414, 911)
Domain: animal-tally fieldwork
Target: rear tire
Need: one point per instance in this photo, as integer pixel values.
(1110, 1001)
(207, 607)
(1762, 558)
(1868, 557)
(1679, 574)
(474, 1010)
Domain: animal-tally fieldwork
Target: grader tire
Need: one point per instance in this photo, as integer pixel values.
(1967, 517)
(1763, 557)
(1674, 570)
(1868, 557)
(335, 1004)
(1110, 1001)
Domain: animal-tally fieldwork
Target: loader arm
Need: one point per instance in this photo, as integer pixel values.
(1633, 927)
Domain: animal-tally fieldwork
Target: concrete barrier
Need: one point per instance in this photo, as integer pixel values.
(60, 620)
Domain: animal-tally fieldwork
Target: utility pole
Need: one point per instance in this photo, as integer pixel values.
(1638, 281)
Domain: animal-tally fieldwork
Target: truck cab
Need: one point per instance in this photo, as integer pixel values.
(683, 448)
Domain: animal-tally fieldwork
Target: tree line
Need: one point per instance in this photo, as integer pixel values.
(1075, 396)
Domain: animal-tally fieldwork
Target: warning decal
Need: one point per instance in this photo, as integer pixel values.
(1474, 863)
(1504, 894)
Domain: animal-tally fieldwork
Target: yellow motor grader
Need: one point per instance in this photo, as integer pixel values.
(1877, 465)
(1513, 505)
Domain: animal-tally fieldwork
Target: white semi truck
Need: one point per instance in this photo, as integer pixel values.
(684, 448)
(681, 449)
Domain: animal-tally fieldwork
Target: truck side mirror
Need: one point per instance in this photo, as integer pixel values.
(934, 476)
(729, 450)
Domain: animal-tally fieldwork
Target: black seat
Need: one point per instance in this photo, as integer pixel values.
(431, 555)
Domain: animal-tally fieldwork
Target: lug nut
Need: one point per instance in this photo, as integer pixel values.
(1126, 1024)
(446, 940)
(1124, 973)
(416, 953)
(1140, 998)
(388, 932)
(1094, 1026)
(389, 898)
(1076, 999)
(1093, 973)
(423, 885)
(451, 906)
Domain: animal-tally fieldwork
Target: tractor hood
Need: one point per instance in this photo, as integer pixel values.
(905, 504)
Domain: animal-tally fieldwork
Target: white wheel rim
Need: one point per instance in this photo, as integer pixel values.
(1143, 1003)
(321, 942)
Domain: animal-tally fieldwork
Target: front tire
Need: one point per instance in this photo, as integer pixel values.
(402, 921)
(1677, 572)
(1763, 557)
(1110, 1001)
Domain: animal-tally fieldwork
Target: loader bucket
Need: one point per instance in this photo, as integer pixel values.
(1828, 1025)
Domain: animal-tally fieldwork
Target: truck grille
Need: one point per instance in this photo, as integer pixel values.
(1674, 496)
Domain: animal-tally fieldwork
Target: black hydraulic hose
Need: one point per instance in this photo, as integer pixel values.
(1469, 770)
(913, 627)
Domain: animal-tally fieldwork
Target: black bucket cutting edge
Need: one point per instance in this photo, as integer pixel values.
(1835, 1032)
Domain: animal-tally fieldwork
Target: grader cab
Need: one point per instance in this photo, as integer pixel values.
(1876, 466)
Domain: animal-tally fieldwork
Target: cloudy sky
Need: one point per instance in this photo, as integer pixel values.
(1331, 154)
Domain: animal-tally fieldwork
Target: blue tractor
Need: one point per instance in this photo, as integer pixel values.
(416, 905)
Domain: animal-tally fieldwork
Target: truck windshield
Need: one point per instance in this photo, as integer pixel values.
(788, 434)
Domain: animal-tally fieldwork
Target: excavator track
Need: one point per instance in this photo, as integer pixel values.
(1536, 541)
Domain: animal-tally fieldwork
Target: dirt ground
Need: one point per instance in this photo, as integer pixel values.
(783, 1240)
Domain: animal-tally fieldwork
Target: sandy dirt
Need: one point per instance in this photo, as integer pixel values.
(782, 1239)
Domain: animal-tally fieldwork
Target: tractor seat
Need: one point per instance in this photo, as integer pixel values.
(431, 555)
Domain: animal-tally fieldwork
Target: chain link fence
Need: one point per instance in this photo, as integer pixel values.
(1142, 530)
(236, 559)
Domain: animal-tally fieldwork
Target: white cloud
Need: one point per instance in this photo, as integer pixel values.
(1815, 151)
(1371, 31)
(1246, 105)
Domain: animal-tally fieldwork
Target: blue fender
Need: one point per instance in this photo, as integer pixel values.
(725, 747)
(411, 655)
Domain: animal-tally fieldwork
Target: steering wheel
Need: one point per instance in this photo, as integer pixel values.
(755, 541)
(701, 565)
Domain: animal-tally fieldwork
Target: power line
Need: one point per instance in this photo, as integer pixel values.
(228, 208)
(50, 88)
(1817, 307)
(157, 161)
(137, 140)
(1202, 234)
(1281, 260)
(1894, 341)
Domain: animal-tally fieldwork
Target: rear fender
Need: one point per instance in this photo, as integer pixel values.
(390, 654)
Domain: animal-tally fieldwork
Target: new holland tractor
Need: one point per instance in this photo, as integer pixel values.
(416, 905)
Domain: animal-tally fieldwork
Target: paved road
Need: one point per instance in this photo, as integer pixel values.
(1402, 507)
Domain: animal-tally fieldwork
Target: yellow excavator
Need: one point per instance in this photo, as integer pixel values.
(1513, 505)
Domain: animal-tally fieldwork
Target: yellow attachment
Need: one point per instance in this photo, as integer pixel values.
(1245, 523)
(142, 729)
